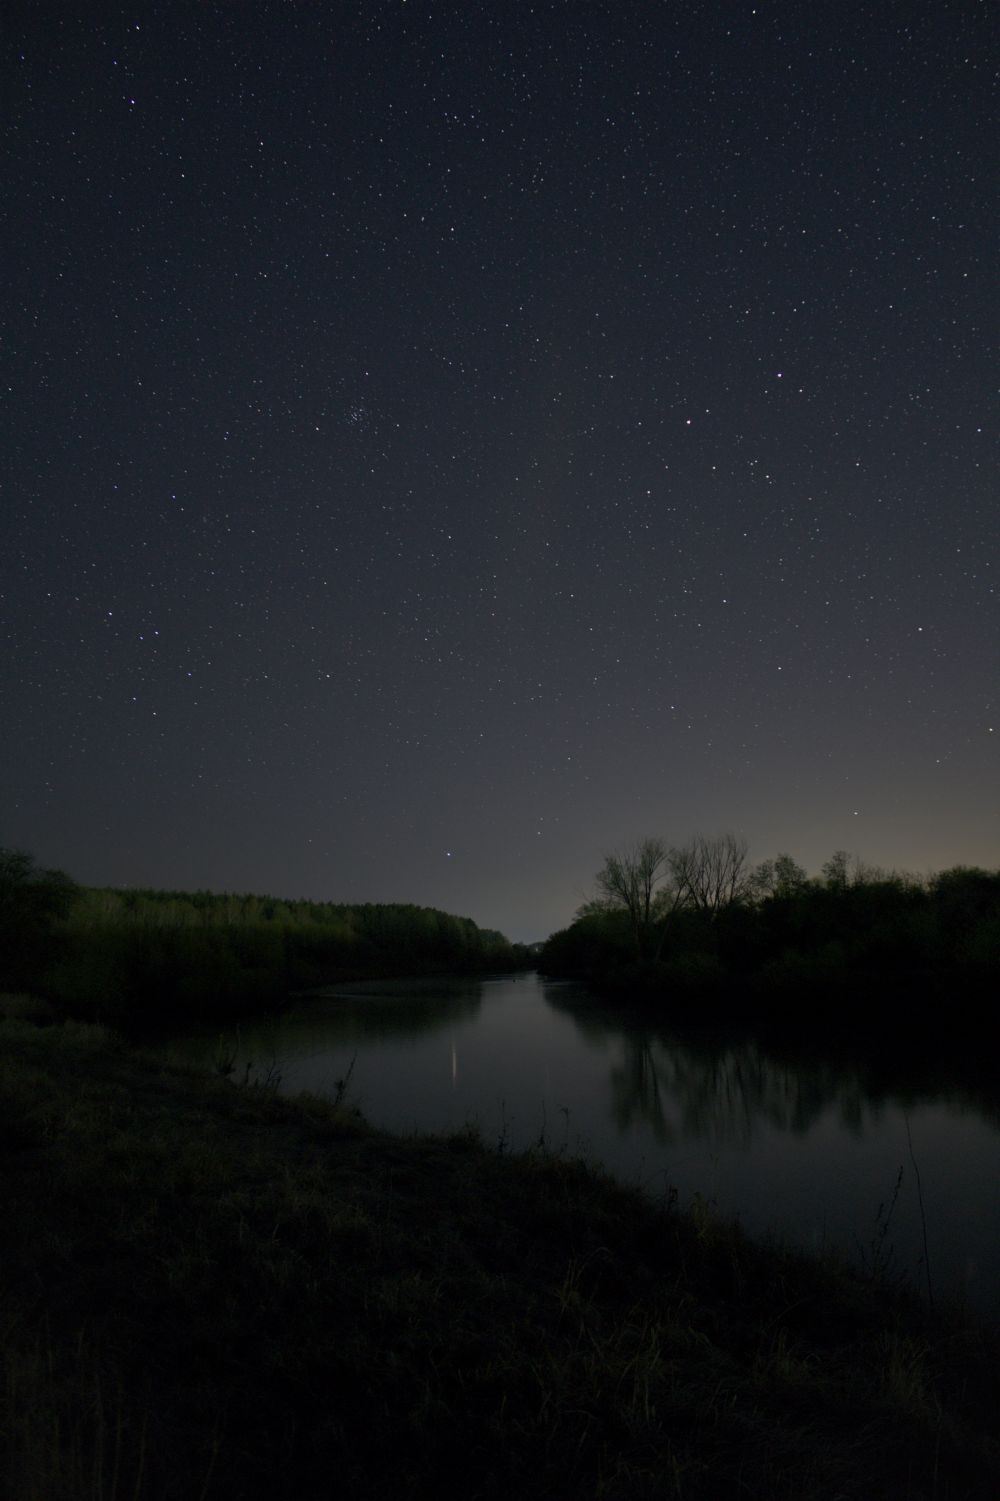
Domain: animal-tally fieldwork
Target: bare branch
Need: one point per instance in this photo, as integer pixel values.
(628, 882)
(712, 873)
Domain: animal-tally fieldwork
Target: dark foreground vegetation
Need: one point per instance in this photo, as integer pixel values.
(698, 931)
(145, 960)
(212, 1291)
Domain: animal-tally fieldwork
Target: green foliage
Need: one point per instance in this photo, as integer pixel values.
(142, 958)
(597, 945)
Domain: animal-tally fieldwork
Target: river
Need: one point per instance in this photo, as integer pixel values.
(901, 1175)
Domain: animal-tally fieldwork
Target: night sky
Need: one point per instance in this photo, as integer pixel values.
(445, 441)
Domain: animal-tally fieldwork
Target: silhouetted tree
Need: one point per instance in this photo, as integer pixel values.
(711, 874)
(780, 877)
(843, 870)
(31, 899)
(631, 881)
(836, 871)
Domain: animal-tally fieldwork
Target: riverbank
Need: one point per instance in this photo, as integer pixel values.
(215, 1291)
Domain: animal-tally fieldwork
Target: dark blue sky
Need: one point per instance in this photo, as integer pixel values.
(445, 441)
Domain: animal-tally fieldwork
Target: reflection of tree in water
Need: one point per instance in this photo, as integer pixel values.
(718, 1088)
(723, 1085)
(721, 1093)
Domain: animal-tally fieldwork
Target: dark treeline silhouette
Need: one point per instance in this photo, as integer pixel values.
(32, 900)
(142, 958)
(699, 927)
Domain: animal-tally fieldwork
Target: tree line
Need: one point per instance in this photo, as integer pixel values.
(699, 921)
(139, 957)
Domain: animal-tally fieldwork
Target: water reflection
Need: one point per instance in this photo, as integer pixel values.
(785, 1139)
(680, 1093)
(397, 1008)
(727, 1085)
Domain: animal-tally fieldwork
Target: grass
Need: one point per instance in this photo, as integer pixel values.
(212, 1291)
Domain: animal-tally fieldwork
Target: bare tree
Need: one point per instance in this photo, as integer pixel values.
(711, 874)
(628, 878)
(631, 881)
(649, 882)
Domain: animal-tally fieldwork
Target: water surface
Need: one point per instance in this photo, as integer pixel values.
(818, 1152)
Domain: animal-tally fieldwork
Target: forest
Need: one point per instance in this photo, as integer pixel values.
(139, 959)
(699, 929)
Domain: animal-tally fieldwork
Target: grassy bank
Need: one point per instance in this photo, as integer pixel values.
(211, 1291)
